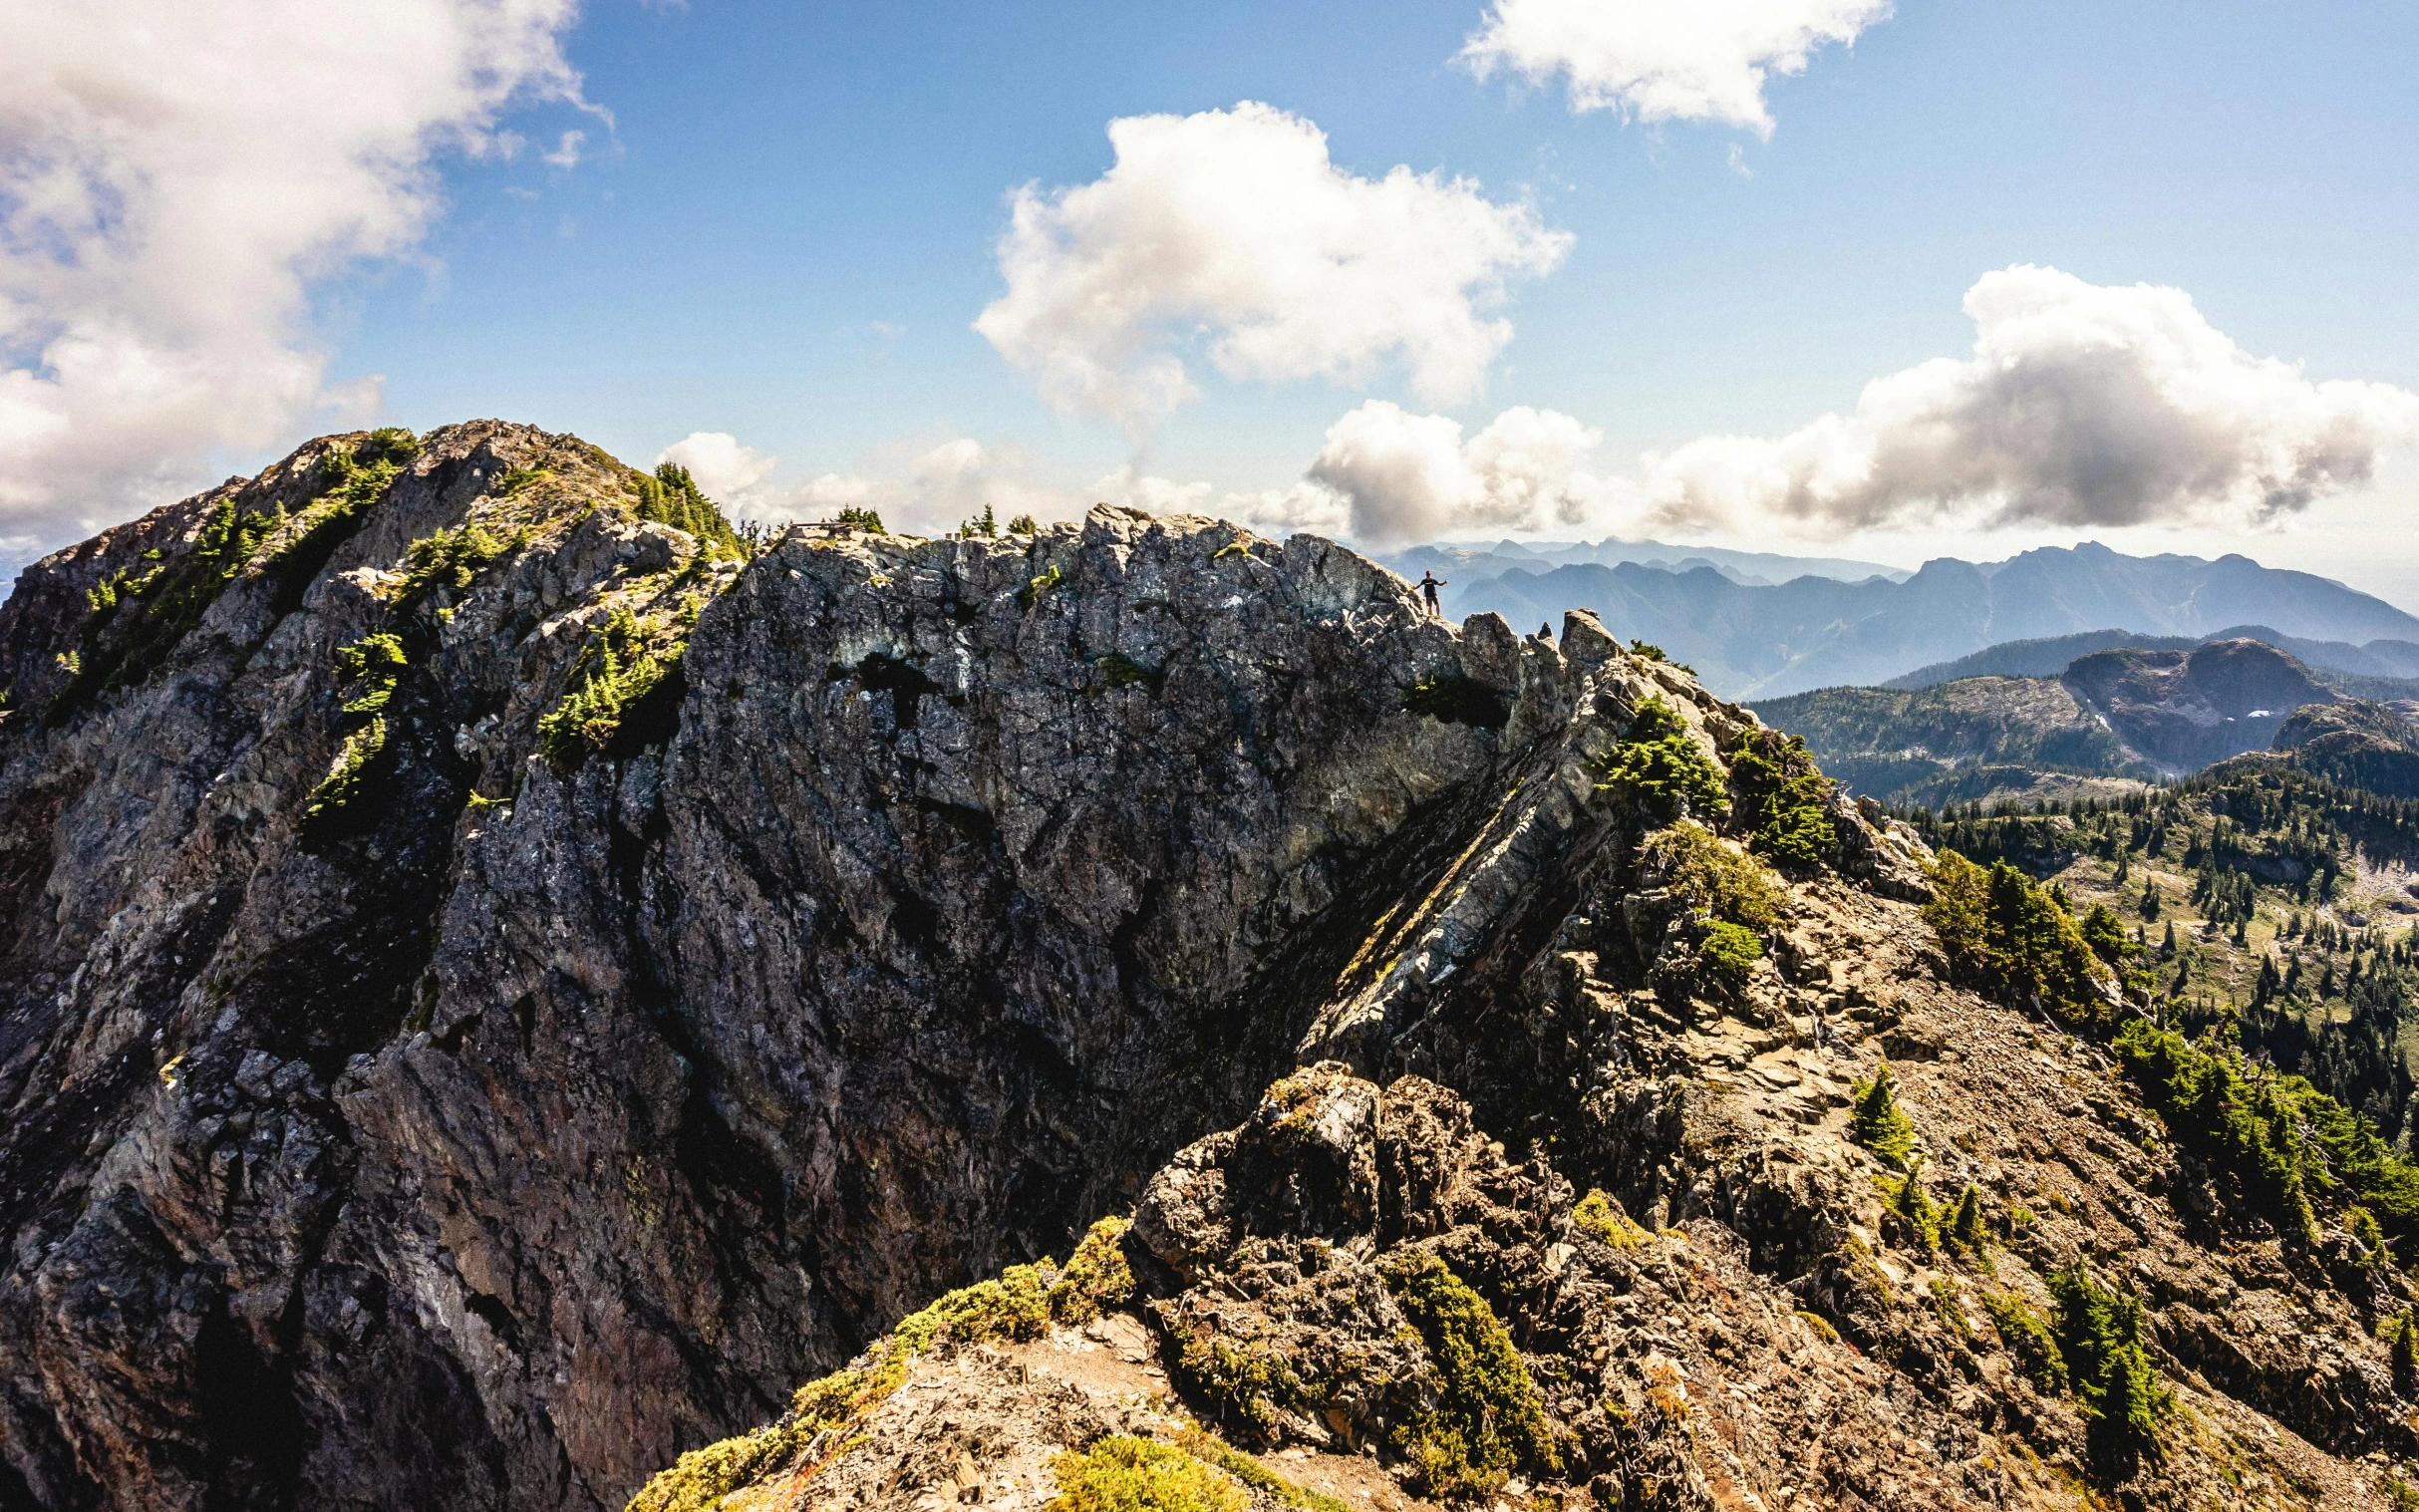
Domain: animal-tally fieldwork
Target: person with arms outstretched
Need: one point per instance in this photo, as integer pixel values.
(1430, 582)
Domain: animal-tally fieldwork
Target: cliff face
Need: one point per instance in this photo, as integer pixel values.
(502, 985)
(970, 878)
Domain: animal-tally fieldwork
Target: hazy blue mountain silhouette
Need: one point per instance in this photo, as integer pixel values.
(1814, 632)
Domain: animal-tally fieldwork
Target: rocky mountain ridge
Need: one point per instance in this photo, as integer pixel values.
(504, 980)
(2130, 713)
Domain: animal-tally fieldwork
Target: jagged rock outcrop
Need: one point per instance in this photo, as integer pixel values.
(501, 986)
(560, 1114)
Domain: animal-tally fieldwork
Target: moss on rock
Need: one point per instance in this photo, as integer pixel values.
(1489, 1420)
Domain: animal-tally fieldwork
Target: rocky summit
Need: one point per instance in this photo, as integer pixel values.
(519, 995)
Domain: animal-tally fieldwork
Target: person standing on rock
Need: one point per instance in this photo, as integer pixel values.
(1430, 582)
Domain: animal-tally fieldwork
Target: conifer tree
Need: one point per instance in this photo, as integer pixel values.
(1877, 1122)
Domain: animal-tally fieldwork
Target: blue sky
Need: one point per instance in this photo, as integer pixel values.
(791, 223)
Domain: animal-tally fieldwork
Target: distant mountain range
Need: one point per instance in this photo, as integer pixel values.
(2142, 712)
(1826, 628)
(1750, 569)
(2394, 660)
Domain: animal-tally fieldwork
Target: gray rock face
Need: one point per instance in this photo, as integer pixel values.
(487, 1154)
(708, 962)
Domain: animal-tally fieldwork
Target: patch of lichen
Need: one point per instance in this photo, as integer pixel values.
(1489, 1419)
(1598, 1217)
(1123, 1473)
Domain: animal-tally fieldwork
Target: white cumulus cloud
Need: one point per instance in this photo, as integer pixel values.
(721, 469)
(1234, 229)
(173, 177)
(1664, 60)
(2082, 405)
(1406, 477)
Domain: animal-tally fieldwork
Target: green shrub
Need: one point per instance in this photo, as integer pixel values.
(2116, 1385)
(630, 660)
(2361, 1224)
(1598, 1217)
(451, 558)
(1024, 524)
(372, 664)
(1021, 1304)
(1877, 1122)
(1121, 1473)
(2287, 1144)
(1488, 1420)
(1966, 1230)
(1247, 1382)
(175, 598)
(1661, 765)
(1031, 593)
(350, 483)
(125, 583)
(700, 1478)
(1254, 1474)
(671, 497)
(1783, 797)
(1097, 1276)
(348, 773)
(2004, 935)
(2104, 932)
(1016, 1306)
(2028, 1337)
(518, 478)
(1730, 953)
(1730, 886)
(1913, 1208)
(2402, 1348)
(867, 520)
(985, 526)
(389, 446)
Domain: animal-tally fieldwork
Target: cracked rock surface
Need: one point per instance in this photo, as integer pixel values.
(546, 1118)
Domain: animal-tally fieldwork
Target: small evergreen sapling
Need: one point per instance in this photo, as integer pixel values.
(1877, 1122)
